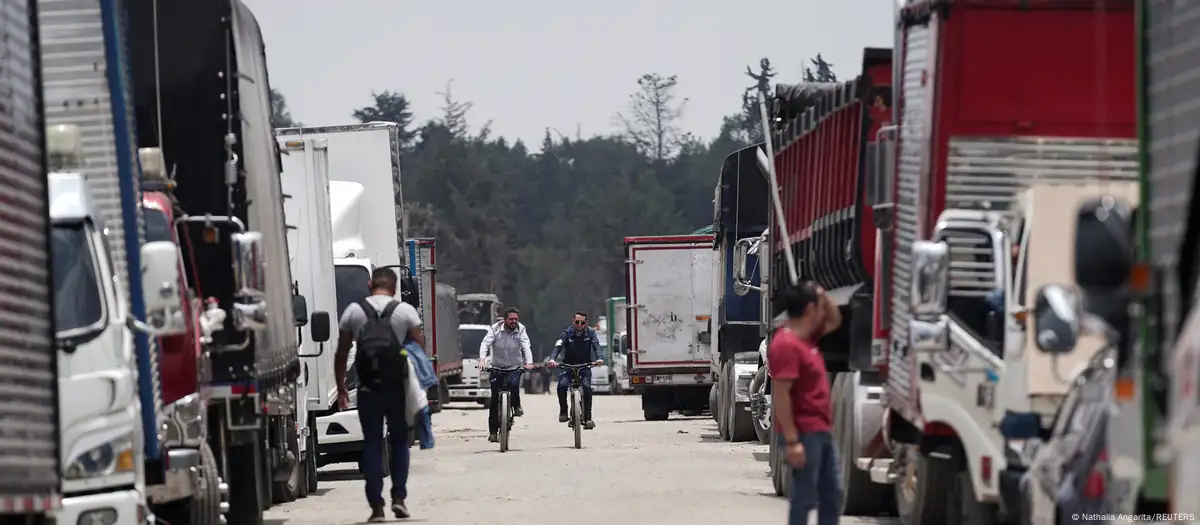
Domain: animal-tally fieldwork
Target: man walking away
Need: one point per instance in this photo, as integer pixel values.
(804, 415)
(508, 345)
(577, 345)
(380, 325)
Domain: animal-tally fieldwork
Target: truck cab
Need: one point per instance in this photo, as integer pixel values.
(100, 412)
(474, 385)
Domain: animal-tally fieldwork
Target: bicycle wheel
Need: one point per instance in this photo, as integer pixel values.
(577, 417)
(505, 413)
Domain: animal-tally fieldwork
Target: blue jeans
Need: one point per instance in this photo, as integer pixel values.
(373, 409)
(564, 383)
(818, 484)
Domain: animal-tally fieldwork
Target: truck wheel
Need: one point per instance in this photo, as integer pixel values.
(739, 422)
(758, 390)
(246, 498)
(206, 506)
(781, 471)
(722, 399)
(923, 489)
(288, 490)
(862, 497)
(655, 408)
(712, 403)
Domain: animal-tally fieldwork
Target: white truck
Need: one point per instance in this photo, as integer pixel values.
(306, 207)
(366, 214)
(438, 306)
(602, 375)
(113, 291)
(30, 443)
(476, 314)
(669, 286)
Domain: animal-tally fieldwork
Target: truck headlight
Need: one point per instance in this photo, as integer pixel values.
(114, 457)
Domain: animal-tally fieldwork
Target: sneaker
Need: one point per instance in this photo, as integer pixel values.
(377, 514)
(399, 509)
(589, 425)
(493, 438)
(518, 412)
(562, 417)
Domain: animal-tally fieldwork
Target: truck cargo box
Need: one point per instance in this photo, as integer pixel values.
(669, 285)
(29, 435)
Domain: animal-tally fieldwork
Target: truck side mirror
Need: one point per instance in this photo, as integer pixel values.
(160, 288)
(249, 268)
(299, 310)
(741, 254)
(1056, 319)
(930, 286)
(321, 327)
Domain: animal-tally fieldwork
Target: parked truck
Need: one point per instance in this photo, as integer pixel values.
(918, 249)
(617, 340)
(118, 290)
(31, 474)
(304, 180)
(739, 217)
(476, 314)
(438, 306)
(220, 149)
(668, 280)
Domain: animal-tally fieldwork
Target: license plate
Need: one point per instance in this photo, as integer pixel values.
(661, 379)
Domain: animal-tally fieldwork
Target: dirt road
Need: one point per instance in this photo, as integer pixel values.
(629, 472)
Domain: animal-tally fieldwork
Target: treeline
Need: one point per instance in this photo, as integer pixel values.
(542, 226)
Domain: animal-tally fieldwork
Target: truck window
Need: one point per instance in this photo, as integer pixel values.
(470, 340)
(974, 302)
(78, 299)
(352, 284)
(158, 228)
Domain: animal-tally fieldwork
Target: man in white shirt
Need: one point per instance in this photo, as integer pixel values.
(507, 343)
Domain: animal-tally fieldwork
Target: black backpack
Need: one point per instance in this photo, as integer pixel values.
(380, 360)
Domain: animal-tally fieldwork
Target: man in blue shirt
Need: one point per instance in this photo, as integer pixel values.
(578, 345)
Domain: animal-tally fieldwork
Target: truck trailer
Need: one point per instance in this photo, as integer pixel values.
(668, 280)
(30, 462)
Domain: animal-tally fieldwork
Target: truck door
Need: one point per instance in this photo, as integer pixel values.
(663, 282)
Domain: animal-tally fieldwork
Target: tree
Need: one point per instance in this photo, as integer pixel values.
(281, 116)
(823, 73)
(389, 106)
(654, 110)
(747, 127)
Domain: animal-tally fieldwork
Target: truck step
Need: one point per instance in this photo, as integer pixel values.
(878, 468)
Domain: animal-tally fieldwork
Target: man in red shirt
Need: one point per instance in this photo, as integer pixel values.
(803, 414)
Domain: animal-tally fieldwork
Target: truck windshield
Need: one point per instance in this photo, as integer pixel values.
(470, 340)
(352, 285)
(78, 301)
(158, 228)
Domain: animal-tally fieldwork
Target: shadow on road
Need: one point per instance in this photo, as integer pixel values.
(350, 474)
(465, 408)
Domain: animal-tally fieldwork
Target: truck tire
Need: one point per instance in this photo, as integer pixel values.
(739, 422)
(862, 497)
(288, 490)
(311, 459)
(655, 407)
(757, 390)
(712, 403)
(923, 489)
(722, 399)
(206, 506)
(246, 498)
(781, 471)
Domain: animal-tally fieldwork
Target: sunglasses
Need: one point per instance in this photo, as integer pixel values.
(580, 323)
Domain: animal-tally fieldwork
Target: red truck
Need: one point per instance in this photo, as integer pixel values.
(876, 203)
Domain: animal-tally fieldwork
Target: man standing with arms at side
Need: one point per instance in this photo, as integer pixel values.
(380, 325)
(507, 343)
(805, 416)
(578, 345)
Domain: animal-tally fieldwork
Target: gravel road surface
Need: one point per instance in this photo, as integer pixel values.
(629, 472)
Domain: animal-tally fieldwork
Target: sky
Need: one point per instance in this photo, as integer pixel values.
(528, 65)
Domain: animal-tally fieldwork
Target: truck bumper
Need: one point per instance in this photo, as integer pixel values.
(182, 477)
(469, 393)
(122, 507)
(337, 429)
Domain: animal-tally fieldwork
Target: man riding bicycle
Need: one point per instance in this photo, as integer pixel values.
(507, 343)
(578, 345)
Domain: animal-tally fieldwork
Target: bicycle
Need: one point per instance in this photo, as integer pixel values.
(505, 410)
(576, 400)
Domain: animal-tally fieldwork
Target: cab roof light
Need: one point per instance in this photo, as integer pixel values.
(154, 166)
(64, 147)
